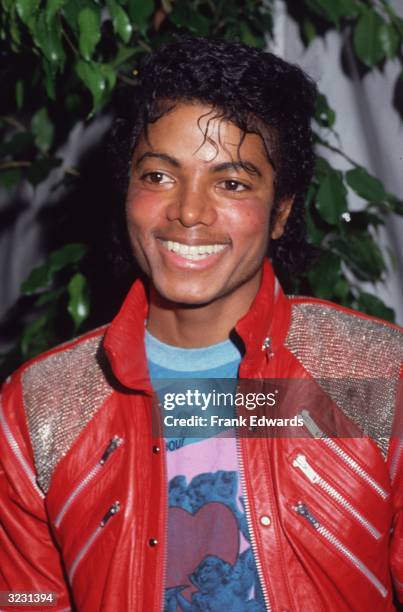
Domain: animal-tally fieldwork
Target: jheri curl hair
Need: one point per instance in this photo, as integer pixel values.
(257, 91)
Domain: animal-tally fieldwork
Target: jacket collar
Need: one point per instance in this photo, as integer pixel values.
(263, 328)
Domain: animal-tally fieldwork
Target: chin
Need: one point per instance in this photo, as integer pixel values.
(187, 296)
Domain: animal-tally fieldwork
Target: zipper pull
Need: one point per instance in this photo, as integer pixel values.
(301, 509)
(301, 463)
(112, 510)
(112, 446)
(311, 425)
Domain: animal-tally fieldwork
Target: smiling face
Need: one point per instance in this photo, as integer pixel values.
(198, 208)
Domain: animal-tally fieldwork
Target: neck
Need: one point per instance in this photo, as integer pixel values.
(198, 326)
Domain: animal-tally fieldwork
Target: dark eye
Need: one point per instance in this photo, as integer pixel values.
(157, 178)
(232, 185)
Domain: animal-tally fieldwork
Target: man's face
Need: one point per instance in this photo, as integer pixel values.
(198, 220)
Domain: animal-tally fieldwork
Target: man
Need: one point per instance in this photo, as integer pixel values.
(97, 507)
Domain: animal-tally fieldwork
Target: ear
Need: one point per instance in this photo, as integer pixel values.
(280, 220)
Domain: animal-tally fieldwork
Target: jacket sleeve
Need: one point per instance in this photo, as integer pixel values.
(29, 559)
(396, 474)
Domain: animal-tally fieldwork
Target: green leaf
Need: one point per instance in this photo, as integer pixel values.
(71, 11)
(362, 255)
(100, 79)
(367, 38)
(324, 275)
(140, 11)
(43, 130)
(9, 178)
(78, 305)
(66, 256)
(309, 31)
(48, 38)
(35, 337)
(49, 296)
(315, 234)
(398, 21)
(19, 93)
(247, 36)
(8, 5)
(39, 278)
(187, 16)
(49, 78)
(15, 31)
(52, 7)
(333, 10)
(322, 166)
(341, 289)
(323, 8)
(109, 75)
(124, 54)
(93, 79)
(323, 113)
(365, 185)
(120, 20)
(89, 23)
(331, 200)
(389, 39)
(26, 9)
(372, 305)
(346, 8)
(40, 169)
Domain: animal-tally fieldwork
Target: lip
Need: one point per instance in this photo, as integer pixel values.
(177, 261)
(192, 241)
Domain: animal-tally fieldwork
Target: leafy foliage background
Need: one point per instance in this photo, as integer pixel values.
(64, 61)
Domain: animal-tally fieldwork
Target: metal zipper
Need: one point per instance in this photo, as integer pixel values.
(114, 509)
(395, 461)
(18, 453)
(316, 432)
(303, 511)
(114, 443)
(302, 464)
(249, 523)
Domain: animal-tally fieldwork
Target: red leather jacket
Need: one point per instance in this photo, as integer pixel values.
(83, 484)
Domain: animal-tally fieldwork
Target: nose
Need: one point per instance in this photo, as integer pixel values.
(192, 206)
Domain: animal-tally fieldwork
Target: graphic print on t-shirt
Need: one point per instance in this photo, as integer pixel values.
(210, 563)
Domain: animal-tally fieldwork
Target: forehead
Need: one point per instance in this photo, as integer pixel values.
(199, 132)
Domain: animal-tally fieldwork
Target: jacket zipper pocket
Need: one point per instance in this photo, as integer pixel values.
(300, 462)
(114, 509)
(303, 511)
(316, 432)
(114, 443)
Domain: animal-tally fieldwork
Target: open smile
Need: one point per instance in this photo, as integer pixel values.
(193, 252)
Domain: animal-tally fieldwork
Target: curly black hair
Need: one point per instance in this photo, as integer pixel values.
(257, 91)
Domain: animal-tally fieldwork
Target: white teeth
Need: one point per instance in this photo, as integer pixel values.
(193, 252)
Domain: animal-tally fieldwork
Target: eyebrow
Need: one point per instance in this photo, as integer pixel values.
(163, 156)
(237, 165)
(233, 165)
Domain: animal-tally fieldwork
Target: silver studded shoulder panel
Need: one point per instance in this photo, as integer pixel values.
(356, 360)
(62, 392)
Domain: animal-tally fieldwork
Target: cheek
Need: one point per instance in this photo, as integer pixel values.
(142, 209)
(250, 216)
